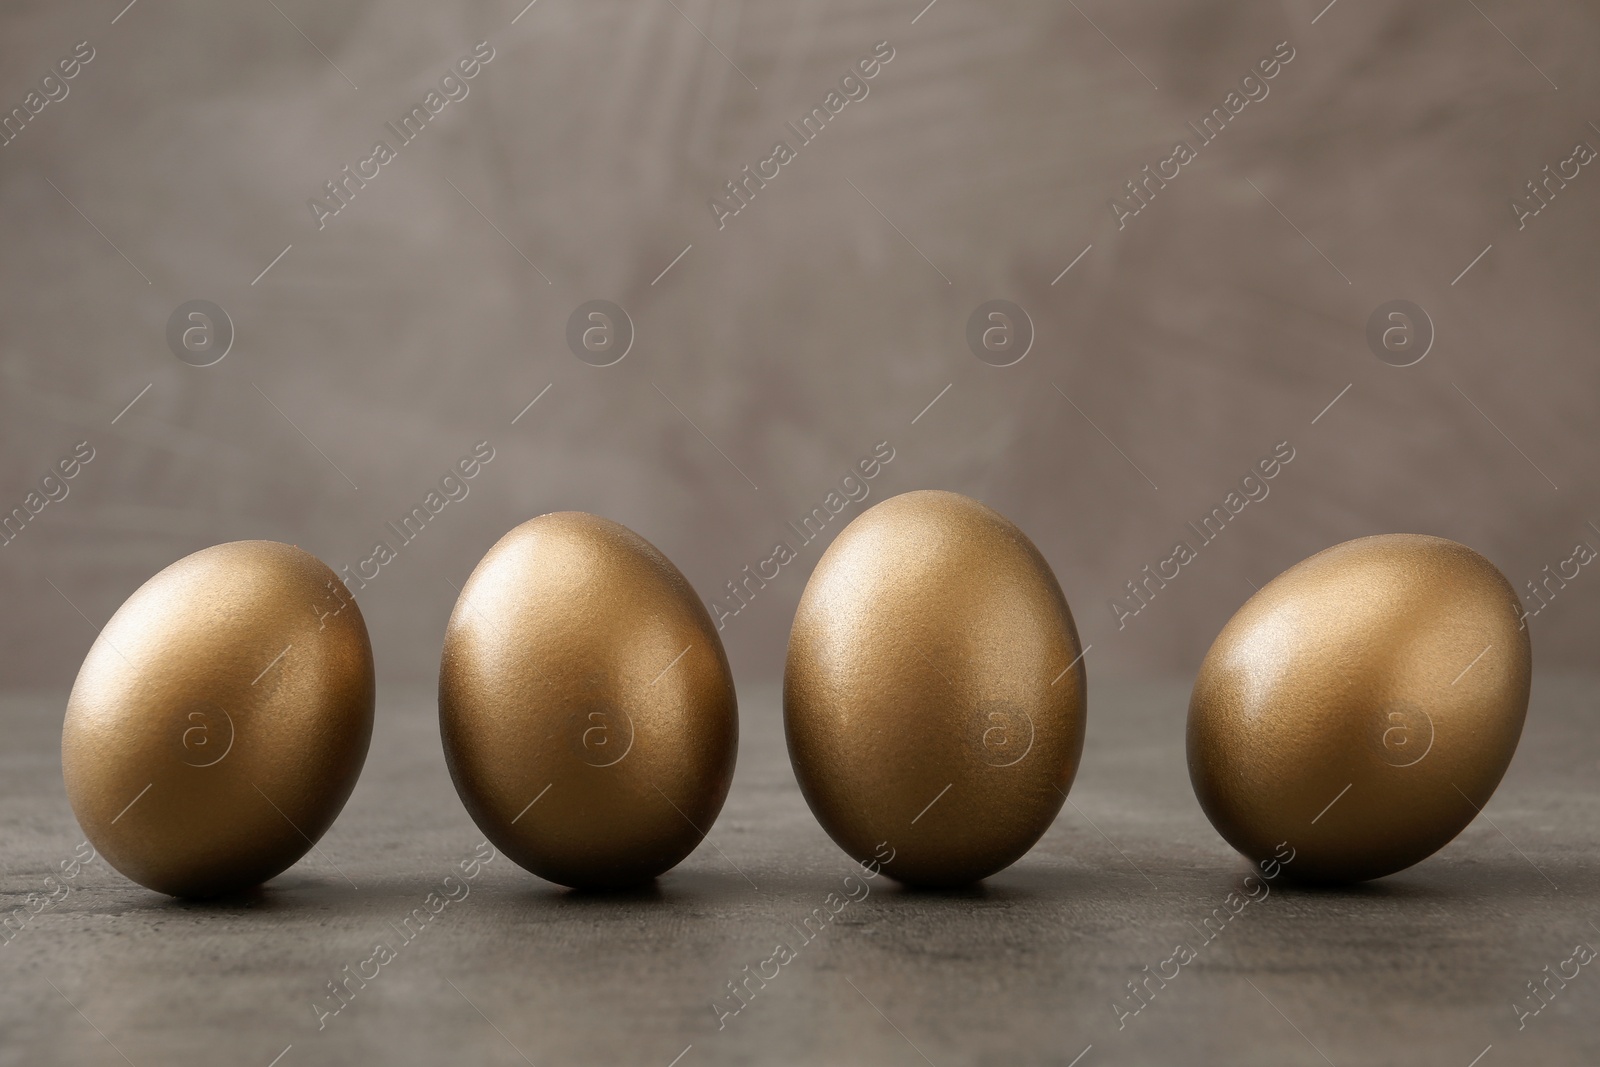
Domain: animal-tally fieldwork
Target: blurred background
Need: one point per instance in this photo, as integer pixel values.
(373, 349)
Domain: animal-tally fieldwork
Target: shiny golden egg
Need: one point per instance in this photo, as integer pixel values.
(1361, 707)
(934, 693)
(220, 720)
(586, 704)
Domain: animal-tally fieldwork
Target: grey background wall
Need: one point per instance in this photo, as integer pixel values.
(822, 319)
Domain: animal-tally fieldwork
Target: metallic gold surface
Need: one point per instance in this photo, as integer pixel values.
(586, 703)
(220, 720)
(934, 693)
(1361, 707)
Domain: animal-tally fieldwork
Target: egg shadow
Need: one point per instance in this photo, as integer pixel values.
(1510, 884)
(1390, 887)
(971, 891)
(256, 899)
(294, 891)
(646, 892)
(1021, 883)
(1437, 880)
(669, 888)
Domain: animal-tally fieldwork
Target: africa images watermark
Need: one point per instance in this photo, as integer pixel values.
(1252, 488)
(56, 891)
(1541, 191)
(199, 332)
(1142, 992)
(741, 991)
(343, 987)
(452, 87)
(451, 488)
(599, 332)
(1546, 588)
(1400, 333)
(52, 489)
(852, 489)
(1543, 994)
(852, 88)
(1254, 89)
(53, 88)
(999, 333)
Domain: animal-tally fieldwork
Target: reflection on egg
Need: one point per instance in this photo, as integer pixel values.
(934, 692)
(586, 704)
(219, 722)
(1361, 707)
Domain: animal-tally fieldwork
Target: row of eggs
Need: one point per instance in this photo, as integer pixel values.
(1361, 707)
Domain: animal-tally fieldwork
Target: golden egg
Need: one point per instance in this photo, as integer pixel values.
(934, 692)
(1362, 707)
(586, 704)
(220, 720)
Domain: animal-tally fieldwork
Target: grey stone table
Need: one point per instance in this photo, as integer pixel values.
(1423, 968)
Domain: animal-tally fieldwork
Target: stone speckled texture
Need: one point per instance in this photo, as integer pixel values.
(1419, 968)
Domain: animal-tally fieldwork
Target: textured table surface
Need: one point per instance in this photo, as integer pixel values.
(1421, 968)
